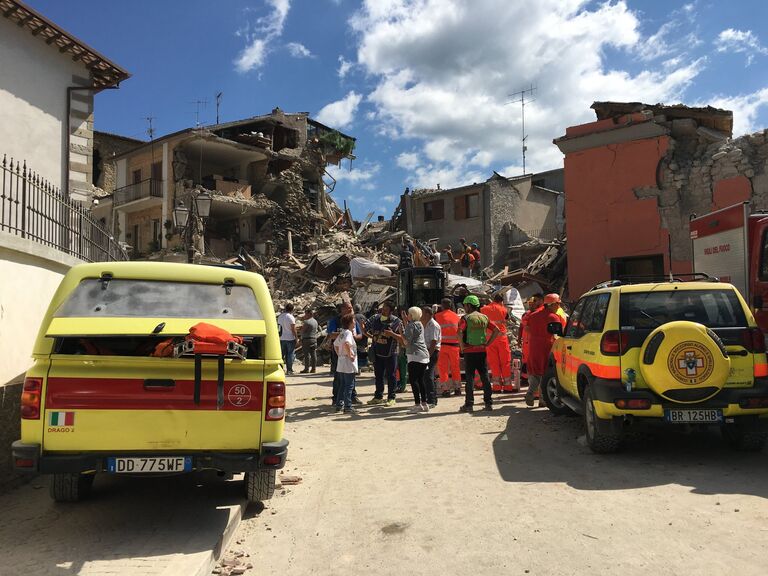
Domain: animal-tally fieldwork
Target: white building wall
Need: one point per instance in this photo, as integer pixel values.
(33, 100)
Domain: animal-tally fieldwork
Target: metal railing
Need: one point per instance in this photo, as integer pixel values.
(33, 208)
(149, 188)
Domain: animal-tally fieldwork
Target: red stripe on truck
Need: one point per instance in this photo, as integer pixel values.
(130, 394)
(720, 221)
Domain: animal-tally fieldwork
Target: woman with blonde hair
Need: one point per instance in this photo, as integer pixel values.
(418, 356)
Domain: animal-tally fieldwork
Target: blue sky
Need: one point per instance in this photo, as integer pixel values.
(424, 85)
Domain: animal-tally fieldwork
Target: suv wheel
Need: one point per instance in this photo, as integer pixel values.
(551, 392)
(260, 486)
(597, 440)
(745, 435)
(68, 487)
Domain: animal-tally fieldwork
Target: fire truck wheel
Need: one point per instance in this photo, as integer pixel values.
(684, 362)
(552, 394)
(260, 486)
(70, 487)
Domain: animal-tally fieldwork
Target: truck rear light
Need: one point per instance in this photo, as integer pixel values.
(614, 343)
(754, 402)
(30, 398)
(753, 340)
(633, 403)
(275, 400)
(271, 460)
(24, 463)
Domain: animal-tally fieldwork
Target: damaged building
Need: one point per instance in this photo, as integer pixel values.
(266, 176)
(497, 214)
(638, 173)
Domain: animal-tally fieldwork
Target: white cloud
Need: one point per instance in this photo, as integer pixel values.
(389, 198)
(362, 177)
(298, 50)
(740, 41)
(444, 70)
(260, 35)
(344, 67)
(341, 113)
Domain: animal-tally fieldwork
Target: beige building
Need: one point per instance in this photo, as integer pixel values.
(256, 169)
(495, 214)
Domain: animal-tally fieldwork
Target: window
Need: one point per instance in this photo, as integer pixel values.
(156, 231)
(137, 176)
(157, 299)
(713, 308)
(764, 258)
(434, 210)
(601, 311)
(643, 268)
(575, 318)
(466, 206)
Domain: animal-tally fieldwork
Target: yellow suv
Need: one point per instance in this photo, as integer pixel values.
(126, 381)
(686, 353)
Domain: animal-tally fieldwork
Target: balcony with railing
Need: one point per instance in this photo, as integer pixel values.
(36, 210)
(149, 189)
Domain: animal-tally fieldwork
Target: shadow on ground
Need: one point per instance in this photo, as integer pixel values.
(539, 447)
(124, 521)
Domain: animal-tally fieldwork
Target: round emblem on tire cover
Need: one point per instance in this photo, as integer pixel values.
(690, 363)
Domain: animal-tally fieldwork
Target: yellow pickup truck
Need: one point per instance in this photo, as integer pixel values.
(118, 386)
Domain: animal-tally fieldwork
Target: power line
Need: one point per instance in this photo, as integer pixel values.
(520, 96)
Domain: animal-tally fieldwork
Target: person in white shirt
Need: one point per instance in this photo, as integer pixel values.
(432, 338)
(346, 366)
(286, 327)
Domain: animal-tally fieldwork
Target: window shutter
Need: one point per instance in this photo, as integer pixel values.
(459, 207)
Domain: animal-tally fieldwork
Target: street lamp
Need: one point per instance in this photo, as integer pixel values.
(191, 221)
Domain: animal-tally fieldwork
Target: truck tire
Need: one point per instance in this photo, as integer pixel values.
(551, 391)
(598, 441)
(744, 436)
(70, 487)
(260, 486)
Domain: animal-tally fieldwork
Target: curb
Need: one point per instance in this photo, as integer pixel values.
(202, 563)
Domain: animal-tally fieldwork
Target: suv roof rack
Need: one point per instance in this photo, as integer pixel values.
(641, 279)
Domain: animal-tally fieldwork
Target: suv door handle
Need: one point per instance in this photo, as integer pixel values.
(158, 384)
(569, 347)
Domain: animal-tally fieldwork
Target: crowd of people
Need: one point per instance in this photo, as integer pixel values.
(423, 347)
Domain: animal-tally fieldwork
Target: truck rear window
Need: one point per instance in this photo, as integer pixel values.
(158, 299)
(713, 308)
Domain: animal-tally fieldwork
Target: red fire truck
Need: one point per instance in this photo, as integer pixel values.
(732, 244)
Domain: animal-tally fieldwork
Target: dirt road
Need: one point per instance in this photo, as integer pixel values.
(513, 492)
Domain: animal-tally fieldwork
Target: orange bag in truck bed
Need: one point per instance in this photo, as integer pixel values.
(210, 339)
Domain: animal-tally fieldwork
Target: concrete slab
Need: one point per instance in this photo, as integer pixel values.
(134, 526)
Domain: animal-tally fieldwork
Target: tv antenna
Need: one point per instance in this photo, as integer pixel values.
(218, 102)
(151, 134)
(523, 96)
(198, 104)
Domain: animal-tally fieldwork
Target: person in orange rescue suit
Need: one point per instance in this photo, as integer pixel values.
(499, 354)
(448, 365)
(540, 344)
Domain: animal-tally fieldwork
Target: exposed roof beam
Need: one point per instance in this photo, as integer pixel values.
(52, 38)
(10, 11)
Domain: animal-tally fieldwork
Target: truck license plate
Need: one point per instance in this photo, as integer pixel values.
(693, 416)
(149, 465)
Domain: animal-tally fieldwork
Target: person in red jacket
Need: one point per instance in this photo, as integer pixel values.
(540, 345)
(534, 303)
(499, 354)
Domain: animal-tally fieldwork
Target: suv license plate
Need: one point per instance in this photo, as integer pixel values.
(149, 465)
(693, 416)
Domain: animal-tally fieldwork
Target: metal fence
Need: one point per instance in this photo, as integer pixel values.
(35, 209)
(145, 189)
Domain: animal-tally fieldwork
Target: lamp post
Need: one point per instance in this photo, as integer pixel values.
(190, 221)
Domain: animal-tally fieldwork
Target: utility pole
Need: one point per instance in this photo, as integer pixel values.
(520, 96)
(218, 102)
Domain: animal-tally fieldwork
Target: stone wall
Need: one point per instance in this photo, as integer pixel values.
(10, 430)
(105, 147)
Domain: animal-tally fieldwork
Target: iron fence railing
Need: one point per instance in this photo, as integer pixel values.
(33, 208)
(149, 188)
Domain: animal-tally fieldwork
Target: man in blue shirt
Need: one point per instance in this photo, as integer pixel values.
(385, 350)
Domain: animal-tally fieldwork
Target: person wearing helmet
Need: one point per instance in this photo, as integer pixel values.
(540, 344)
(473, 341)
(552, 302)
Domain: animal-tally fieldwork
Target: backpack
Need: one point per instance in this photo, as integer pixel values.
(477, 327)
(210, 339)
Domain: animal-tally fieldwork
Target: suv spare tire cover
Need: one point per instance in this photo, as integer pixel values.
(679, 358)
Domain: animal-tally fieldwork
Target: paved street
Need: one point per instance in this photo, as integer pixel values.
(129, 526)
(515, 492)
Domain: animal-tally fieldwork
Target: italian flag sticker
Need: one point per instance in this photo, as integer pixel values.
(62, 419)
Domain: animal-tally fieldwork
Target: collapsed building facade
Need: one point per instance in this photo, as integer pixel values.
(266, 175)
(635, 177)
(497, 214)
